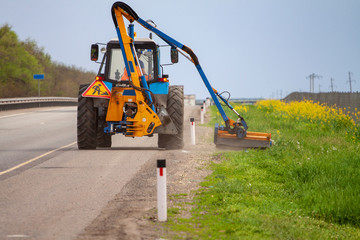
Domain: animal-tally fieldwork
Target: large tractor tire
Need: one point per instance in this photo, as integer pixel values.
(86, 121)
(103, 139)
(175, 108)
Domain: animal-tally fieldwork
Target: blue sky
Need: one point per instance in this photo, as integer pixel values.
(252, 48)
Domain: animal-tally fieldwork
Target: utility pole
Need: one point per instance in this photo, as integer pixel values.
(332, 84)
(350, 81)
(312, 80)
(319, 88)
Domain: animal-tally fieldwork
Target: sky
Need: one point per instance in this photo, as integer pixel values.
(250, 48)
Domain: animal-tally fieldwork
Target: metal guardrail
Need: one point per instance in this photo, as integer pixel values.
(246, 101)
(249, 101)
(31, 102)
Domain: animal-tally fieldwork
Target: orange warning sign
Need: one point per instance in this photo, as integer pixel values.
(97, 89)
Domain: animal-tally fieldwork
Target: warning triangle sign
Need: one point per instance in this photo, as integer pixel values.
(97, 89)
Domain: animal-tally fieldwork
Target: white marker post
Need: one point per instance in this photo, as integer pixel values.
(202, 115)
(192, 130)
(207, 102)
(161, 190)
(204, 106)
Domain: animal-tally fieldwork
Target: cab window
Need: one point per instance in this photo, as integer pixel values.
(117, 70)
(146, 59)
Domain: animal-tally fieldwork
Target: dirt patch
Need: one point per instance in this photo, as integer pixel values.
(132, 214)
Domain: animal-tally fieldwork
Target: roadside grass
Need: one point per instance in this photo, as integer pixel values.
(306, 186)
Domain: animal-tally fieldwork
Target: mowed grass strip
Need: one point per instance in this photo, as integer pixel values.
(306, 186)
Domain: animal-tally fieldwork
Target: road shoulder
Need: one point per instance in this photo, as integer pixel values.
(132, 213)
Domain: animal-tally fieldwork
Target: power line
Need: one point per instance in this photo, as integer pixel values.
(332, 84)
(350, 81)
(312, 80)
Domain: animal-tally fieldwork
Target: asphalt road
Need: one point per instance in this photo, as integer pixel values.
(48, 188)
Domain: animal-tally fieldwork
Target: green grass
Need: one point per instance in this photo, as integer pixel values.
(306, 186)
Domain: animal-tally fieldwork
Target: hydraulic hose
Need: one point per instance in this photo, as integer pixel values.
(130, 14)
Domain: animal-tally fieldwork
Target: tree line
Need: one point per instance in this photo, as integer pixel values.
(20, 60)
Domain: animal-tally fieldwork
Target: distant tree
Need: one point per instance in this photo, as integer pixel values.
(16, 66)
(19, 60)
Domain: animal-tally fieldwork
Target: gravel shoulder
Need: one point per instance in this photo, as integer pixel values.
(132, 213)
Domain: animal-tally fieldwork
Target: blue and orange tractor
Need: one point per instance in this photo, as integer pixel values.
(132, 96)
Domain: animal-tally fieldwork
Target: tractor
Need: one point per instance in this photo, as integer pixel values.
(114, 104)
(131, 95)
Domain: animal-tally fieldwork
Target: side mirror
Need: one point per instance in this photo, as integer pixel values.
(94, 54)
(174, 54)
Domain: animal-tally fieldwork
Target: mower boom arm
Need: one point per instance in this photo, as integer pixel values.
(120, 9)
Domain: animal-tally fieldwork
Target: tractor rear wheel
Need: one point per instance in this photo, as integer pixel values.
(103, 139)
(86, 121)
(175, 108)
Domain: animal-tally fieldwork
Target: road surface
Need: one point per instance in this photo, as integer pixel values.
(50, 189)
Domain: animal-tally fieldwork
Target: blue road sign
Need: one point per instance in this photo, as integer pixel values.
(39, 76)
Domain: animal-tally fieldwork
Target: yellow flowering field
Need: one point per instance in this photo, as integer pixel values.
(320, 115)
(241, 108)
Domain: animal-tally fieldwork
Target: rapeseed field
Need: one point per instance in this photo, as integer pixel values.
(306, 186)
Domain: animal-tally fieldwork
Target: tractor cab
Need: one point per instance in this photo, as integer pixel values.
(113, 71)
(147, 53)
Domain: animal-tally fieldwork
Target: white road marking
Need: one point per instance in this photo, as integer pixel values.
(18, 236)
(51, 109)
(45, 110)
(35, 158)
(13, 115)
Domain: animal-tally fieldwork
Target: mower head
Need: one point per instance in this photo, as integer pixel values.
(240, 139)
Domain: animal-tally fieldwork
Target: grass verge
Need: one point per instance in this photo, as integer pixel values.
(306, 186)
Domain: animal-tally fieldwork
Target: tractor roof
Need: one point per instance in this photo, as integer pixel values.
(138, 41)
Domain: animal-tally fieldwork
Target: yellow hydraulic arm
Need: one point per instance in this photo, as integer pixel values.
(233, 130)
(146, 120)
